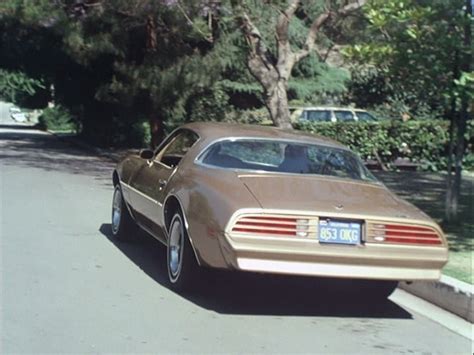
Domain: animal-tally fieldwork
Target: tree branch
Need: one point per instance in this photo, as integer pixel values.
(284, 21)
(206, 37)
(351, 7)
(285, 54)
(312, 35)
(320, 21)
(259, 64)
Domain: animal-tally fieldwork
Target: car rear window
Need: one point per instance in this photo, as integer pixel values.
(286, 157)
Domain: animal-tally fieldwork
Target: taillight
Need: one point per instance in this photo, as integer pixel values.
(275, 226)
(402, 234)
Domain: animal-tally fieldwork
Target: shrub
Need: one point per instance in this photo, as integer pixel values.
(422, 142)
(57, 118)
(117, 131)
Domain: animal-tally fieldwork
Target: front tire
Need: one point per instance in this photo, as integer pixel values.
(123, 225)
(181, 263)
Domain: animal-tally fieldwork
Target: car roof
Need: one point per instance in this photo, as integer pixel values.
(212, 131)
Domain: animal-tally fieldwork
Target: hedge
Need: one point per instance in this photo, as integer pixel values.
(423, 142)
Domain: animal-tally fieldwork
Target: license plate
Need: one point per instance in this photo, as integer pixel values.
(339, 232)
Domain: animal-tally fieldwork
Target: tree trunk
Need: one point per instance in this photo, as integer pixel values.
(449, 177)
(277, 104)
(452, 140)
(461, 120)
(456, 190)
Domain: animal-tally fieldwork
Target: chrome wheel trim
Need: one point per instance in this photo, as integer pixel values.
(116, 210)
(175, 248)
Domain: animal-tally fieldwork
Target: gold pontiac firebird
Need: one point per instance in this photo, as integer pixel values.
(262, 199)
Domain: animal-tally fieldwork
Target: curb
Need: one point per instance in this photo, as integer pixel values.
(448, 293)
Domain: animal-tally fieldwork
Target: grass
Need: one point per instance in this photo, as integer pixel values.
(427, 191)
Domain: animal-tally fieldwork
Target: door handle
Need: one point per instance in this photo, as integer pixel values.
(162, 183)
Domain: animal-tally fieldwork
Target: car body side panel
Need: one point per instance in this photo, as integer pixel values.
(126, 169)
(209, 199)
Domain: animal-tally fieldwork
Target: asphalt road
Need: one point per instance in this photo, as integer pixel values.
(68, 287)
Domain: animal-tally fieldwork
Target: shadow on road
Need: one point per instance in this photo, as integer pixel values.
(26, 147)
(18, 126)
(257, 294)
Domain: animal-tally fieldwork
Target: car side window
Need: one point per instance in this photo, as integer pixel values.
(344, 116)
(366, 117)
(177, 148)
(318, 115)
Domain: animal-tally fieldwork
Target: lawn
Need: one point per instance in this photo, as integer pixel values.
(428, 191)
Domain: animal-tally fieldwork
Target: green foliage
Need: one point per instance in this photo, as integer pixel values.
(316, 82)
(422, 142)
(15, 85)
(210, 104)
(57, 118)
(416, 48)
(259, 117)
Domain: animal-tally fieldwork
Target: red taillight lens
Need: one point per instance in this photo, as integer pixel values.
(271, 225)
(404, 234)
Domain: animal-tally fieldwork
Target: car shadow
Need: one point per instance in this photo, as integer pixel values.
(258, 294)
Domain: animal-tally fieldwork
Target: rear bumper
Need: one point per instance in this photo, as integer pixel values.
(337, 270)
(310, 258)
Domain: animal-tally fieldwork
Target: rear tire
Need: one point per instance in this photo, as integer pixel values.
(123, 226)
(183, 269)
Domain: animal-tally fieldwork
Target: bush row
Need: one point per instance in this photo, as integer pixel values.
(425, 142)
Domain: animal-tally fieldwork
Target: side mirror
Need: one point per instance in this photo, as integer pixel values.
(146, 154)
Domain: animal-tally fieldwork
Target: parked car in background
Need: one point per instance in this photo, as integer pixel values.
(331, 114)
(17, 115)
(261, 199)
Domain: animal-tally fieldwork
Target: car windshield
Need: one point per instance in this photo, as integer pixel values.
(286, 157)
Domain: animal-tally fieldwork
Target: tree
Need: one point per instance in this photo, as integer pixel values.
(423, 50)
(111, 62)
(273, 68)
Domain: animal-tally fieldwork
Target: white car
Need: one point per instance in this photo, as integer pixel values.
(17, 115)
(331, 114)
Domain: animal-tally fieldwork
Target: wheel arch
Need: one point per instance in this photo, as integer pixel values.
(171, 205)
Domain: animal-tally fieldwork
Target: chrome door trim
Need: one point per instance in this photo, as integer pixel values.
(141, 194)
